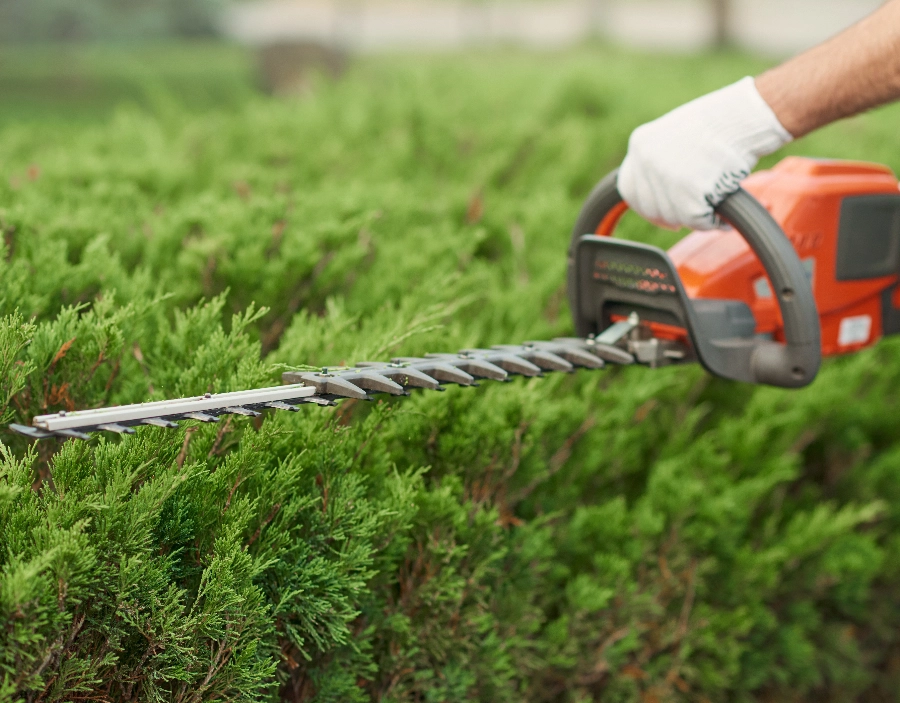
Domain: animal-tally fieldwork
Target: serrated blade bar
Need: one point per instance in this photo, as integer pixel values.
(141, 412)
(395, 377)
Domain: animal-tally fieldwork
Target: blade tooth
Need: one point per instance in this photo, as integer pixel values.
(116, 427)
(281, 405)
(409, 376)
(326, 384)
(200, 417)
(74, 434)
(506, 361)
(571, 353)
(580, 357)
(159, 422)
(445, 373)
(316, 400)
(448, 373)
(614, 355)
(372, 381)
(441, 372)
(607, 352)
(291, 377)
(484, 369)
(344, 388)
(404, 374)
(29, 431)
(618, 330)
(240, 410)
(548, 361)
(472, 365)
(519, 365)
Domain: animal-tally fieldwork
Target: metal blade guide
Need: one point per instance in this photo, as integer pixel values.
(324, 387)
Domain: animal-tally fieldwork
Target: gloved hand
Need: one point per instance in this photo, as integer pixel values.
(683, 164)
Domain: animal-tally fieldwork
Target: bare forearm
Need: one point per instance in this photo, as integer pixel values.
(852, 72)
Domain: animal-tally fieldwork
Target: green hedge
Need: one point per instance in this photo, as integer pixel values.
(626, 535)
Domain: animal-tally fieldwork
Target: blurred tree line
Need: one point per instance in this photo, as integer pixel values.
(91, 20)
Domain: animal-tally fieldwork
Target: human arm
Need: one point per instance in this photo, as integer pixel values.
(680, 166)
(852, 72)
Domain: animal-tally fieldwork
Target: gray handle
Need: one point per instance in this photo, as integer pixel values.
(792, 364)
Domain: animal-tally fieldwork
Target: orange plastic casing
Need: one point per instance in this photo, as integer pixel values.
(804, 196)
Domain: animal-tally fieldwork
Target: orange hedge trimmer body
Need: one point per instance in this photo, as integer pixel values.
(843, 220)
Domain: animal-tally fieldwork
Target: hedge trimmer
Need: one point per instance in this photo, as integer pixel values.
(810, 268)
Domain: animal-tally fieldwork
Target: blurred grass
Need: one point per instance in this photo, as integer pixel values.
(83, 83)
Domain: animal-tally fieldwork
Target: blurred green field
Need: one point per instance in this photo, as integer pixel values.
(75, 83)
(629, 535)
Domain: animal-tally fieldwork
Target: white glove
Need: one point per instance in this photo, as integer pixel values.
(680, 166)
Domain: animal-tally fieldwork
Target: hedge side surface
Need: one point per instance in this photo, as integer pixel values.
(625, 535)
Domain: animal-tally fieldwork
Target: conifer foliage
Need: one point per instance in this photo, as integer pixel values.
(624, 535)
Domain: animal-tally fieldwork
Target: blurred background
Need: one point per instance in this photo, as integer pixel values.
(80, 56)
(775, 26)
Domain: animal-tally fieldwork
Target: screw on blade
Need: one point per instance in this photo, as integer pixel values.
(238, 410)
(404, 374)
(438, 370)
(115, 427)
(472, 365)
(510, 363)
(201, 417)
(159, 422)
